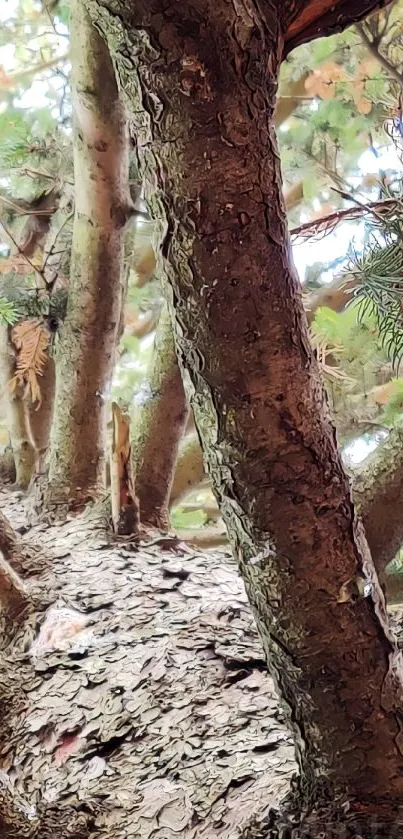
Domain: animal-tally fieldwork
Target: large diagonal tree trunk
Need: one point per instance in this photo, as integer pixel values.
(86, 351)
(208, 152)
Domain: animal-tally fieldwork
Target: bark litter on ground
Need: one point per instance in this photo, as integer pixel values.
(137, 704)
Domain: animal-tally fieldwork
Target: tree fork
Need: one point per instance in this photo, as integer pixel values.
(86, 351)
(159, 427)
(259, 402)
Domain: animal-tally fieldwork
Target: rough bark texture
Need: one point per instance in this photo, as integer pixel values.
(16, 412)
(158, 428)
(377, 492)
(86, 351)
(208, 153)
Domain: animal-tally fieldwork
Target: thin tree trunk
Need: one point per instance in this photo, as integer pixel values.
(14, 598)
(378, 493)
(334, 296)
(159, 426)
(86, 351)
(40, 418)
(290, 99)
(16, 411)
(189, 470)
(258, 398)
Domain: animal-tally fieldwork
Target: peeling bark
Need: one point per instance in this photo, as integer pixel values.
(209, 93)
(86, 350)
(158, 429)
(125, 511)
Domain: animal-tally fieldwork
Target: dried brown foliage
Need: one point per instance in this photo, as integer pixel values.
(31, 341)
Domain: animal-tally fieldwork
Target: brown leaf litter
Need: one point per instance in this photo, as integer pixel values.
(138, 704)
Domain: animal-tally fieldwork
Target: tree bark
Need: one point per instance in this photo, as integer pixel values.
(208, 91)
(16, 411)
(378, 493)
(86, 351)
(124, 504)
(158, 429)
(40, 417)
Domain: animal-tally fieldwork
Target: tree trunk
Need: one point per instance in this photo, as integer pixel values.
(209, 94)
(86, 351)
(16, 412)
(159, 427)
(40, 418)
(189, 468)
(378, 493)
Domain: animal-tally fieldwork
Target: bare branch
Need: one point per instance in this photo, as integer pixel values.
(327, 224)
(373, 48)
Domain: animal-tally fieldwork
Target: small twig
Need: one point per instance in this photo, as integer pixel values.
(21, 252)
(37, 68)
(51, 251)
(24, 211)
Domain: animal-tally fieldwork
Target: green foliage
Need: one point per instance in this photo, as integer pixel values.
(354, 366)
(377, 273)
(9, 313)
(394, 408)
(183, 520)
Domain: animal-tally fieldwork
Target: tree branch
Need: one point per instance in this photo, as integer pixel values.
(373, 49)
(310, 19)
(327, 224)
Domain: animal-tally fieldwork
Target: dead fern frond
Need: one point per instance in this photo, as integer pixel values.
(31, 341)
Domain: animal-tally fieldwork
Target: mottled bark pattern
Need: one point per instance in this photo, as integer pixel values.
(205, 74)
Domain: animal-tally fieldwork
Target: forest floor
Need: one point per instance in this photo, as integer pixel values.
(137, 702)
